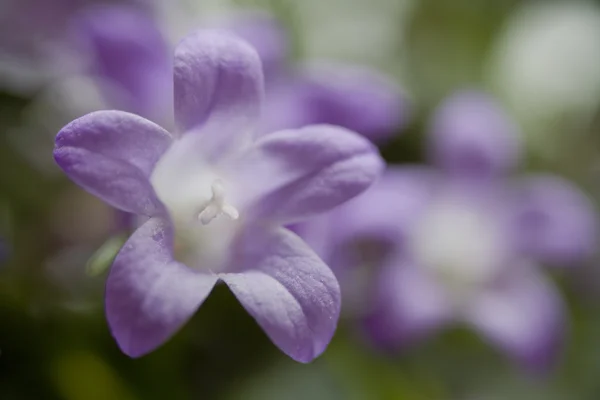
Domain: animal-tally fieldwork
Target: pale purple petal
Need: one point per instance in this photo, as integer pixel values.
(555, 222)
(218, 84)
(408, 305)
(130, 58)
(149, 295)
(287, 106)
(471, 135)
(111, 154)
(524, 315)
(290, 175)
(355, 98)
(267, 36)
(290, 292)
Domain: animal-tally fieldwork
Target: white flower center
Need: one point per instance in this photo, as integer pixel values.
(216, 205)
(200, 201)
(460, 245)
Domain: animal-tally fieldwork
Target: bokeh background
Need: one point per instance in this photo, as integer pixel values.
(539, 59)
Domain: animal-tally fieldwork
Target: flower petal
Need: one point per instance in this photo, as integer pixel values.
(379, 220)
(355, 98)
(407, 306)
(267, 36)
(218, 84)
(111, 154)
(149, 295)
(290, 292)
(287, 106)
(471, 135)
(389, 209)
(523, 315)
(555, 222)
(130, 58)
(290, 175)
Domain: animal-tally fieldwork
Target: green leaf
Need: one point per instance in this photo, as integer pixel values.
(104, 256)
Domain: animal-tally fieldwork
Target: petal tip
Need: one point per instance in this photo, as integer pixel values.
(219, 45)
(132, 351)
(217, 76)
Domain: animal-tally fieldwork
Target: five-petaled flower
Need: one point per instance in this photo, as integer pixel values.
(217, 196)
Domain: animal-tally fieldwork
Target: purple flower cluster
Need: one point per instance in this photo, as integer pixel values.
(260, 154)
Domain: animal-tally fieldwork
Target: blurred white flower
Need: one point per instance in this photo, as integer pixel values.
(361, 31)
(546, 65)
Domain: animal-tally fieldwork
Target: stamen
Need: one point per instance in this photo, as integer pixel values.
(216, 205)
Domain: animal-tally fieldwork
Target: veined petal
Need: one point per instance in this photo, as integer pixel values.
(130, 58)
(408, 305)
(290, 292)
(523, 315)
(149, 295)
(293, 174)
(111, 154)
(218, 84)
(555, 222)
(471, 135)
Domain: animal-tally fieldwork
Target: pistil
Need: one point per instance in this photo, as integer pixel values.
(216, 205)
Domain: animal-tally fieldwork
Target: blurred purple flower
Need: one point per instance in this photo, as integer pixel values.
(471, 136)
(25, 22)
(128, 57)
(355, 98)
(216, 198)
(34, 38)
(458, 242)
(33, 21)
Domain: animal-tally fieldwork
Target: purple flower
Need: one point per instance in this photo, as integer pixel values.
(128, 57)
(34, 20)
(353, 97)
(34, 36)
(216, 197)
(459, 243)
